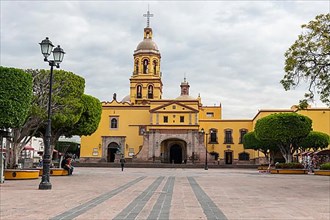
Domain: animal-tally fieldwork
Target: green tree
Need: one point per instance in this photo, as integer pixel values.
(36, 115)
(15, 104)
(308, 59)
(15, 97)
(250, 141)
(315, 140)
(67, 146)
(68, 89)
(285, 129)
(89, 119)
(66, 107)
(73, 113)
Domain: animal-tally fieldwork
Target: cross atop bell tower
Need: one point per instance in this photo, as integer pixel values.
(148, 15)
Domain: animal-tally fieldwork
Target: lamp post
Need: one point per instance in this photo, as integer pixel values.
(58, 54)
(203, 132)
(206, 167)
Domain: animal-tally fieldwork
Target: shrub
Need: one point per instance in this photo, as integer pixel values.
(289, 166)
(325, 166)
(264, 165)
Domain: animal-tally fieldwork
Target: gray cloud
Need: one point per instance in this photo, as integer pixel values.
(231, 52)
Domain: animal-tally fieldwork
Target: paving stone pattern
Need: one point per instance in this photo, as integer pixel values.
(168, 193)
(210, 209)
(161, 209)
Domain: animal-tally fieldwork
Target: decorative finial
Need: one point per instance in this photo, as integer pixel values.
(148, 15)
(184, 78)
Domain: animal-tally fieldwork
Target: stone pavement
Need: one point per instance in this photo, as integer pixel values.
(142, 193)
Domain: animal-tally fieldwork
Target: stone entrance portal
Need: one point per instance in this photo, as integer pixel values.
(172, 146)
(173, 151)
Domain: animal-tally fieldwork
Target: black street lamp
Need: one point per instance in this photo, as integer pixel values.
(58, 53)
(205, 166)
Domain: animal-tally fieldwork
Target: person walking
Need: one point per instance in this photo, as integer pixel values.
(122, 162)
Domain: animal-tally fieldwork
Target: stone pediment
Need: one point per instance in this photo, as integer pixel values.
(174, 106)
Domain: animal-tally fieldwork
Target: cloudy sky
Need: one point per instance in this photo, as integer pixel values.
(232, 52)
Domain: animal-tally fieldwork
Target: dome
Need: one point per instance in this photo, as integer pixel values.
(126, 99)
(185, 97)
(147, 44)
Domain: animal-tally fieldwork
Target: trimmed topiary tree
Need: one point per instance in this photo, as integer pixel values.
(250, 141)
(315, 140)
(89, 119)
(15, 97)
(15, 102)
(285, 129)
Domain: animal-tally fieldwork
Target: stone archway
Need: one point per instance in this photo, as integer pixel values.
(111, 152)
(173, 151)
(176, 154)
(157, 146)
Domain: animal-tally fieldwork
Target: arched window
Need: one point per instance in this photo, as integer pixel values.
(145, 66)
(114, 123)
(139, 91)
(155, 66)
(150, 92)
(244, 156)
(137, 67)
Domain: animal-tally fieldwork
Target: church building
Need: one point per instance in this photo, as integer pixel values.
(144, 127)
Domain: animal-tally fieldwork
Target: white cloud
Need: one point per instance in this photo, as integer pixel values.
(231, 52)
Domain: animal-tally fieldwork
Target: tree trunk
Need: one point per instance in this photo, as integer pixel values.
(13, 156)
(266, 153)
(286, 153)
(21, 136)
(272, 157)
(289, 158)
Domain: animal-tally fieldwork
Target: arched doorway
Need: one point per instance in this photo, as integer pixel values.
(112, 150)
(176, 154)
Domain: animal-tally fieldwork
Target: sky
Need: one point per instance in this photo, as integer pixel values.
(231, 52)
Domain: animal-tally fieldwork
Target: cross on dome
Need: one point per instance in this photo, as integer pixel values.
(148, 15)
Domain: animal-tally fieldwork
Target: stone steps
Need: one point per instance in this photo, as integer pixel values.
(164, 165)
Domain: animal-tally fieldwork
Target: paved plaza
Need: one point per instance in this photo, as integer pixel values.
(142, 193)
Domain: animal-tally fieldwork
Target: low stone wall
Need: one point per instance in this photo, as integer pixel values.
(56, 172)
(21, 174)
(15, 174)
(288, 171)
(322, 172)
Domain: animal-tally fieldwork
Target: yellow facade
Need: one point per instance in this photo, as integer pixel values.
(147, 128)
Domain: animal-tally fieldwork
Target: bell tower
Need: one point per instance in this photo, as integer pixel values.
(146, 83)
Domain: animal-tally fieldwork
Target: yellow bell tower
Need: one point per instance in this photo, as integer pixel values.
(146, 83)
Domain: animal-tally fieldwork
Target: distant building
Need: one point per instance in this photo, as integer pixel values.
(31, 152)
(145, 127)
